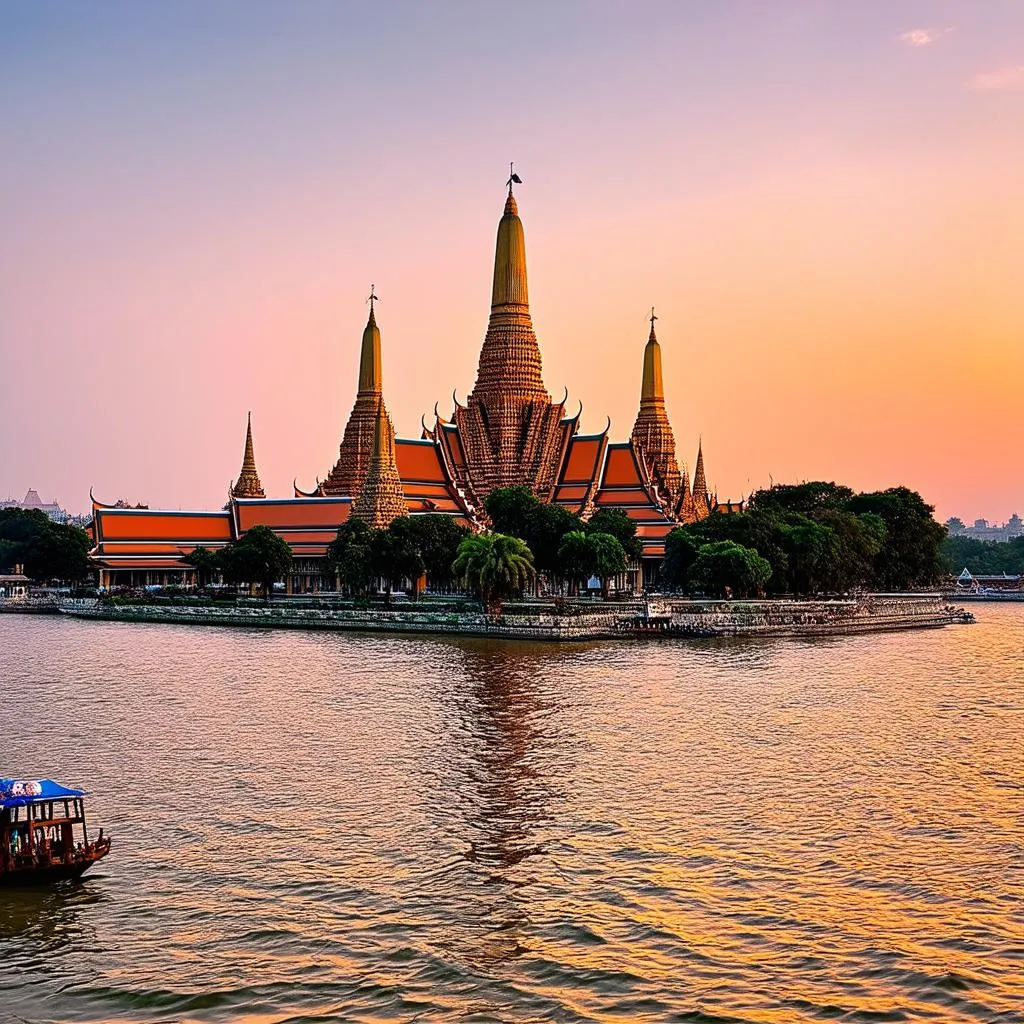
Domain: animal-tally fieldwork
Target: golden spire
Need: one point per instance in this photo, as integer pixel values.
(248, 484)
(510, 357)
(382, 498)
(370, 375)
(700, 485)
(349, 472)
(652, 388)
(652, 433)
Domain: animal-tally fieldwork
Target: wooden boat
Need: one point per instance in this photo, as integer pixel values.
(43, 834)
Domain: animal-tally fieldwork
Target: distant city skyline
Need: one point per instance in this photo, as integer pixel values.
(821, 201)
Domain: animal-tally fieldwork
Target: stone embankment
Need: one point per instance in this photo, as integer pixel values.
(564, 622)
(870, 613)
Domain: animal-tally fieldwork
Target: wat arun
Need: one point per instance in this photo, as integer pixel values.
(509, 433)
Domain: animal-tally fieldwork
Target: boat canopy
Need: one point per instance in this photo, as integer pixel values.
(19, 792)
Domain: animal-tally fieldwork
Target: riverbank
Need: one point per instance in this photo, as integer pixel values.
(567, 621)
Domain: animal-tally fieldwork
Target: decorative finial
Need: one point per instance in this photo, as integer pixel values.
(652, 318)
(512, 177)
(373, 298)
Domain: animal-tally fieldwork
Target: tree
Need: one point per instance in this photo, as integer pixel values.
(48, 550)
(621, 527)
(437, 538)
(609, 558)
(510, 509)
(206, 564)
(808, 498)
(348, 555)
(260, 556)
(576, 559)
(546, 526)
(909, 557)
(495, 567)
(395, 556)
(723, 567)
(681, 547)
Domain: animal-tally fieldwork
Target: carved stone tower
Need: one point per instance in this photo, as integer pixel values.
(248, 483)
(349, 472)
(652, 432)
(381, 499)
(509, 426)
(701, 497)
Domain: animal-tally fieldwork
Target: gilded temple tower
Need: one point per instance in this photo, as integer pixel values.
(511, 430)
(248, 483)
(382, 498)
(349, 472)
(701, 497)
(652, 432)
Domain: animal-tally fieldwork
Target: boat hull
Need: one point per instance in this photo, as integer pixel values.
(47, 874)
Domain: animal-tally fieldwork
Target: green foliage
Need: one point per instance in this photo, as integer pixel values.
(516, 512)
(983, 557)
(261, 556)
(576, 558)
(494, 566)
(546, 526)
(348, 555)
(395, 554)
(437, 538)
(730, 569)
(615, 522)
(909, 556)
(207, 564)
(681, 546)
(609, 558)
(510, 509)
(48, 550)
(821, 537)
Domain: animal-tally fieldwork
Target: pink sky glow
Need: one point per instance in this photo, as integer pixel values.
(823, 202)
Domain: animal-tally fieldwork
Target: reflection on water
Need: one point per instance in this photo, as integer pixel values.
(355, 828)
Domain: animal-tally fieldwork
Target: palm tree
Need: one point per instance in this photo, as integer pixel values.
(494, 566)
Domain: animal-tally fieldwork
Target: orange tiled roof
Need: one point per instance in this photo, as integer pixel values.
(149, 525)
(284, 514)
(418, 461)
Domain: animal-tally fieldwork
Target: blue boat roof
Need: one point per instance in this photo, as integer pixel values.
(19, 792)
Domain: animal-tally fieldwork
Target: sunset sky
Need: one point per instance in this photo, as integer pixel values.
(824, 201)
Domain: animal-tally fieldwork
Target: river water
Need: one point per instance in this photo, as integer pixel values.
(313, 827)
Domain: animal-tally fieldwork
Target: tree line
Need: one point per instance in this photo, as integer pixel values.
(49, 551)
(983, 557)
(809, 538)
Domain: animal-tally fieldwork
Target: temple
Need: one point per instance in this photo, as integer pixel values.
(509, 432)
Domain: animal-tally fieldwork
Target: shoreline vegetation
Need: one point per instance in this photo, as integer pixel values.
(660, 618)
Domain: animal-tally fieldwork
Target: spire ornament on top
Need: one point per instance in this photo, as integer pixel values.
(248, 483)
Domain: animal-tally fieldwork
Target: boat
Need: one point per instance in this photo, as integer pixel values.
(43, 833)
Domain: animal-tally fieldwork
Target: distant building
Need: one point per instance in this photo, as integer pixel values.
(983, 530)
(33, 501)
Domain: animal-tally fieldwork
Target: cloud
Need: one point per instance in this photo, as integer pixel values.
(924, 36)
(1003, 80)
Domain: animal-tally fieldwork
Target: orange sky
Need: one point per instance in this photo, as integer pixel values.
(825, 207)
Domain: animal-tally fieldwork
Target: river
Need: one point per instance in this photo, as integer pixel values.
(334, 827)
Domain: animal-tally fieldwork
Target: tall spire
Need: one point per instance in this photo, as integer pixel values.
(248, 483)
(382, 498)
(511, 431)
(370, 376)
(349, 472)
(510, 357)
(700, 485)
(652, 433)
